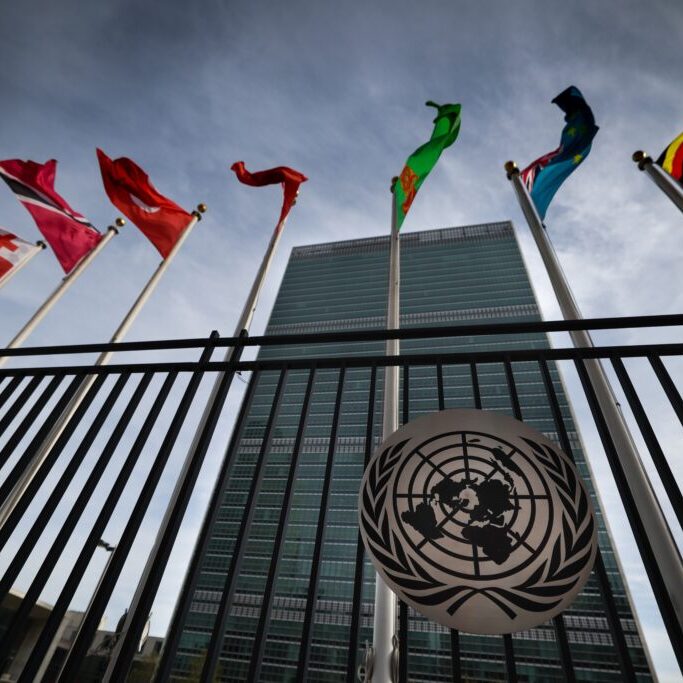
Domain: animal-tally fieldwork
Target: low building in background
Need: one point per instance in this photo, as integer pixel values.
(100, 650)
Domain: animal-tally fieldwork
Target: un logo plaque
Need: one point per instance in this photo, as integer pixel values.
(477, 521)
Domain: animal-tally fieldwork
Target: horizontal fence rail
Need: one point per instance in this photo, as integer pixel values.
(102, 468)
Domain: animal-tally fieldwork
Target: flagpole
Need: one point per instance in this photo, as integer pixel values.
(384, 623)
(651, 515)
(241, 329)
(660, 178)
(40, 245)
(247, 314)
(45, 448)
(63, 287)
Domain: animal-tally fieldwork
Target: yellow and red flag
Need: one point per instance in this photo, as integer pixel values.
(671, 159)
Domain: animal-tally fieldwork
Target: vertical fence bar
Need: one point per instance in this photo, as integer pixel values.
(628, 671)
(312, 594)
(258, 647)
(29, 420)
(558, 621)
(616, 629)
(668, 385)
(565, 650)
(30, 538)
(476, 394)
(512, 389)
(510, 667)
(12, 479)
(170, 525)
(651, 441)
(217, 635)
(649, 560)
(439, 385)
(357, 604)
(80, 565)
(55, 452)
(9, 389)
(402, 606)
(20, 401)
(456, 664)
(50, 558)
(119, 556)
(21, 616)
(182, 609)
(456, 668)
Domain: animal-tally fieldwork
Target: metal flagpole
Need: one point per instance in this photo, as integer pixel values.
(241, 329)
(384, 624)
(67, 281)
(660, 178)
(103, 359)
(40, 245)
(656, 527)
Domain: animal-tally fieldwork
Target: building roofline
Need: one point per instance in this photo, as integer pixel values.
(495, 230)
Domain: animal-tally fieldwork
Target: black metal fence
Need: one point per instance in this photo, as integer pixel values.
(130, 410)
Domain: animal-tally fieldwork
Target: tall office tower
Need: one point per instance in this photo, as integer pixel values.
(472, 274)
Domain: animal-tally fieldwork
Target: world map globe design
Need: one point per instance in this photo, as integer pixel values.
(478, 521)
(468, 498)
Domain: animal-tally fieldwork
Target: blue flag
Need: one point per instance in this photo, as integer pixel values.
(544, 176)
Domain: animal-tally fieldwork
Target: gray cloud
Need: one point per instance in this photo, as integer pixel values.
(337, 90)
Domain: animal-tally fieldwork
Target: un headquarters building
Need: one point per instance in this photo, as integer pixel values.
(461, 275)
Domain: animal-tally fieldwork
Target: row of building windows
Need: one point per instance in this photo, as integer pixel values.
(407, 319)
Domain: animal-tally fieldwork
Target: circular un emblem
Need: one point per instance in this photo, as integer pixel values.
(477, 521)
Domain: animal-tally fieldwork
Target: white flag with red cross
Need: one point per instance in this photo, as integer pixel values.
(13, 251)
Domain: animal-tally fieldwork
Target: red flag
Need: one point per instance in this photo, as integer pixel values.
(289, 178)
(130, 190)
(69, 234)
(13, 251)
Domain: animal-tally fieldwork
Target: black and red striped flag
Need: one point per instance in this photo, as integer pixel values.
(70, 235)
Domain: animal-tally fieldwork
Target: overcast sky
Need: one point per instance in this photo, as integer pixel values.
(337, 91)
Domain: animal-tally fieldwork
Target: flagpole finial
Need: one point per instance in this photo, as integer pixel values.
(394, 180)
(641, 158)
(511, 169)
(197, 213)
(118, 223)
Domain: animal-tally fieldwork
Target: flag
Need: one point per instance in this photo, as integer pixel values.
(13, 251)
(131, 192)
(69, 234)
(288, 177)
(671, 159)
(423, 159)
(544, 176)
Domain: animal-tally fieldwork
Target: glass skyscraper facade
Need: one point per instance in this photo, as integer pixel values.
(471, 274)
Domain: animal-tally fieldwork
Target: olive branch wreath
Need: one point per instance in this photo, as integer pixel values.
(541, 591)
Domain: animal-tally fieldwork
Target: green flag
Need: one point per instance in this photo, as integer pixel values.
(422, 160)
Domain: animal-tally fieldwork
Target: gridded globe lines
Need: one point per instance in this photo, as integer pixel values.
(477, 521)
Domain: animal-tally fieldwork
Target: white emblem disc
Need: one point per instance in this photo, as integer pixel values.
(477, 521)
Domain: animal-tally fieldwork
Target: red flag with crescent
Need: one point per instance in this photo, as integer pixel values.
(130, 190)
